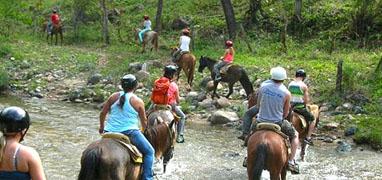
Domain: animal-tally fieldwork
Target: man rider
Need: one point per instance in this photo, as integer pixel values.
(274, 103)
(300, 97)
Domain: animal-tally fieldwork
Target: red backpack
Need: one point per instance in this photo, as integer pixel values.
(159, 94)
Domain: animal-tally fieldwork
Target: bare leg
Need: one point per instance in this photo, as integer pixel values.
(312, 125)
(294, 145)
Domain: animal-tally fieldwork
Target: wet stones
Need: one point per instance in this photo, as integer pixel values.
(343, 147)
(223, 117)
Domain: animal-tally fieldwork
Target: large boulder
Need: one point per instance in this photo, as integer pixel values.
(94, 78)
(222, 102)
(223, 117)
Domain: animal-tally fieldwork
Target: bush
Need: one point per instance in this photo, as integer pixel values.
(4, 50)
(3, 79)
(369, 131)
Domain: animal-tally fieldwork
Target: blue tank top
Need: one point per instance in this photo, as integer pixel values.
(272, 97)
(120, 120)
(15, 174)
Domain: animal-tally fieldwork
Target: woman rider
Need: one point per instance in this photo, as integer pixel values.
(147, 27)
(16, 160)
(125, 110)
(226, 59)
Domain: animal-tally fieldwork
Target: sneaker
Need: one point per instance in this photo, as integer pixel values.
(180, 139)
(293, 168)
(242, 137)
(245, 162)
(308, 141)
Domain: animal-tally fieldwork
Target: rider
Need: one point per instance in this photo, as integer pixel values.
(184, 44)
(227, 58)
(300, 97)
(16, 160)
(146, 27)
(274, 102)
(125, 110)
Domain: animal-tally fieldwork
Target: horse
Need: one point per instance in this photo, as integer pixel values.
(267, 150)
(297, 122)
(234, 73)
(56, 30)
(186, 62)
(150, 36)
(107, 159)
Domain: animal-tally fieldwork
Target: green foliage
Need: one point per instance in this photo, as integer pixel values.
(3, 79)
(5, 49)
(369, 130)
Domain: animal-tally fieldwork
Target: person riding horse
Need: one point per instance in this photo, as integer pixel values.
(274, 102)
(54, 21)
(184, 45)
(146, 27)
(125, 110)
(226, 59)
(300, 97)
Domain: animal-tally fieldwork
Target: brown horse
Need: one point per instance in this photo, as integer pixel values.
(234, 73)
(56, 30)
(297, 121)
(186, 62)
(107, 159)
(150, 36)
(267, 151)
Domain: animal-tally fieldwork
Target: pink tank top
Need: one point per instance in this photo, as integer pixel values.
(171, 92)
(228, 58)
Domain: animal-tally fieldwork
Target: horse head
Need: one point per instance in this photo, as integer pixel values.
(202, 64)
(173, 50)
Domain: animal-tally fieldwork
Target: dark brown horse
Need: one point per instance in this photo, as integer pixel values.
(186, 62)
(234, 73)
(267, 151)
(56, 30)
(106, 159)
(297, 121)
(150, 36)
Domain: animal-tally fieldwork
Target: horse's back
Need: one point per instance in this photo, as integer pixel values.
(158, 116)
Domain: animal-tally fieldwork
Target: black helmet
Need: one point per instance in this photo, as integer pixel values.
(129, 81)
(14, 119)
(300, 73)
(170, 70)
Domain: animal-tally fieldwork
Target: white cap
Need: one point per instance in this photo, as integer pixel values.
(278, 73)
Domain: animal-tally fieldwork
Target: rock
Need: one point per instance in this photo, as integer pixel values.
(94, 79)
(78, 101)
(155, 63)
(75, 94)
(358, 110)
(179, 23)
(330, 126)
(358, 98)
(223, 117)
(339, 109)
(350, 131)
(328, 140)
(324, 108)
(134, 67)
(207, 103)
(343, 147)
(347, 106)
(349, 117)
(222, 102)
(210, 86)
(204, 81)
(192, 95)
(25, 64)
(142, 75)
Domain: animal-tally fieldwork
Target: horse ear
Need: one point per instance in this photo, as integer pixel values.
(171, 123)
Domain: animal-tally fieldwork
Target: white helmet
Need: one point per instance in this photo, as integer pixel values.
(278, 73)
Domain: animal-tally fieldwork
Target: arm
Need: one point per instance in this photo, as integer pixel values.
(286, 105)
(226, 51)
(105, 109)
(306, 95)
(35, 166)
(177, 95)
(139, 106)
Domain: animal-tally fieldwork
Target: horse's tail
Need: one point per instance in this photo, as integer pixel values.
(155, 41)
(246, 83)
(192, 70)
(261, 155)
(90, 164)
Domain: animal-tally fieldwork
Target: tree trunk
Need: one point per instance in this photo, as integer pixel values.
(297, 9)
(339, 78)
(105, 28)
(254, 7)
(229, 17)
(158, 17)
(283, 35)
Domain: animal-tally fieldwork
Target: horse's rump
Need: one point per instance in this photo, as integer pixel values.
(160, 115)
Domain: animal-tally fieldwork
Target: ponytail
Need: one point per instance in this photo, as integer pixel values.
(122, 100)
(3, 143)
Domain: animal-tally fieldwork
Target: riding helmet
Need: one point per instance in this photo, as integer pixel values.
(300, 73)
(129, 81)
(170, 70)
(278, 73)
(14, 119)
(229, 43)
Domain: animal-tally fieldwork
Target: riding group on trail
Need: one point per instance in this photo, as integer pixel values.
(278, 118)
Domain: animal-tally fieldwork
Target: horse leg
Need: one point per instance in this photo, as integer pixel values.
(283, 173)
(56, 38)
(62, 37)
(143, 47)
(303, 149)
(230, 86)
(215, 87)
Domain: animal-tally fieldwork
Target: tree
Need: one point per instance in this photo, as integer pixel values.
(297, 9)
(158, 16)
(229, 17)
(105, 22)
(254, 7)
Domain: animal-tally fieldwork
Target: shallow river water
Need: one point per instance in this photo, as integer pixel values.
(61, 131)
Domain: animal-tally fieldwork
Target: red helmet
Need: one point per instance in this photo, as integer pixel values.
(229, 43)
(146, 17)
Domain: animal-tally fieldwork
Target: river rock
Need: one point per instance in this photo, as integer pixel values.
(222, 102)
(207, 103)
(94, 78)
(343, 147)
(350, 131)
(358, 110)
(134, 67)
(347, 106)
(330, 126)
(205, 80)
(192, 95)
(223, 117)
(202, 96)
(142, 75)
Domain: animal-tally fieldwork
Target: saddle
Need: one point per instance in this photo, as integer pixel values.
(225, 68)
(277, 129)
(124, 140)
